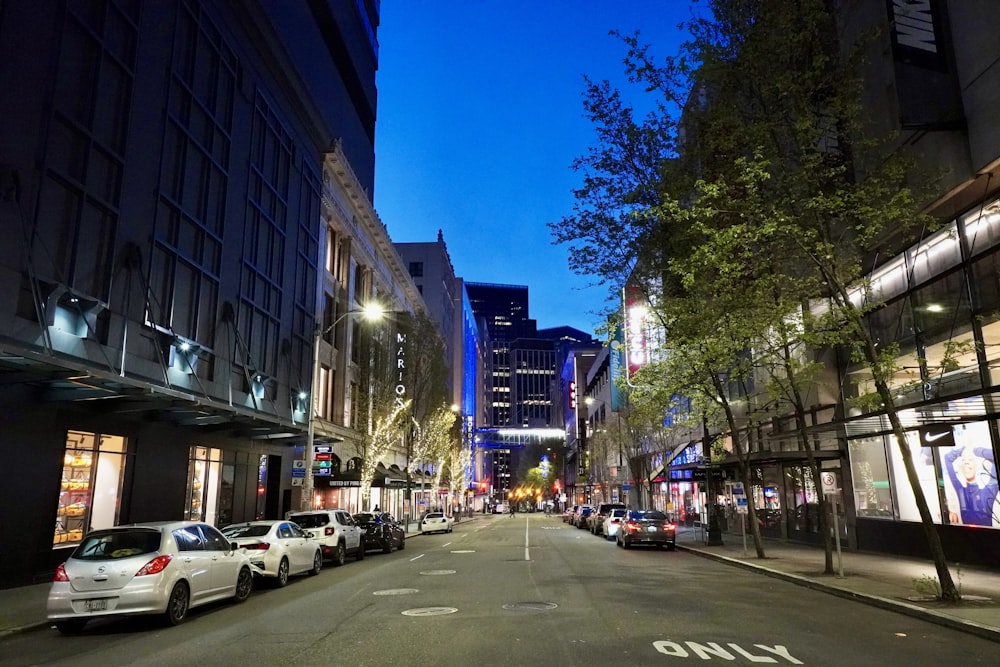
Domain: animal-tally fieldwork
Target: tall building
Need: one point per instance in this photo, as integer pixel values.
(164, 168)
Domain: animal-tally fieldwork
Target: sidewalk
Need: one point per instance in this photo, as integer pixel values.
(880, 580)
(875, 579)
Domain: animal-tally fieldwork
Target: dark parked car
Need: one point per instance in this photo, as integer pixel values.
(646, 527)
(382, 531)
(580, 518)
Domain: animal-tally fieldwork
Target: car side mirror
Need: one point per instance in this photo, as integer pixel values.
(233, 546)
(309, 533)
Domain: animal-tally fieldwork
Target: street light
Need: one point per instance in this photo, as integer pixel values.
(372, 312)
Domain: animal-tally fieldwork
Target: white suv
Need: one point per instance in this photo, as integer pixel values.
(336, 531)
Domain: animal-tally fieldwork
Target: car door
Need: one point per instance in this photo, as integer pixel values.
(224, 562)
(352, 532)
(298, 547)
(195, 562)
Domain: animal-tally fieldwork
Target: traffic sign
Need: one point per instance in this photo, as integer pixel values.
(298, 464)
(740, 496)
(298, 472)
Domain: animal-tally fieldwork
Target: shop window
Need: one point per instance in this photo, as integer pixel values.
(93, 469)
(969, 474)
(204, 468)
(872, 492)
(923, 461)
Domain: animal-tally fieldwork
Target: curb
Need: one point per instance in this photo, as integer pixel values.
(899, 606)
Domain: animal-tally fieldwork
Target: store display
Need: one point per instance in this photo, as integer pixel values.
(74, 498)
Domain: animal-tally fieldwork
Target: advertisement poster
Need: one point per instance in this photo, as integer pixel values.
(969, 472)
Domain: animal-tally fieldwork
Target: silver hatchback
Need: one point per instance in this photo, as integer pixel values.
(152, 568)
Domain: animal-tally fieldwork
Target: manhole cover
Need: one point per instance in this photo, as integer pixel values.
(430, 611)
(396, 591)
(436, 572)
(464, 551)
(531, 606)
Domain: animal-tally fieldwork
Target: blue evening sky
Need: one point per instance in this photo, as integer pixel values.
(480, 115)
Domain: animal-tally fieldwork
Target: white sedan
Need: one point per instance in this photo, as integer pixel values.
(612, 522)
(436, 522)
(151, 568)
(279, 548)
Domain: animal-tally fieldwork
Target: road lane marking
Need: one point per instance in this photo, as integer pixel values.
(396, 591)
(709, 649)
(527, 555)
(416, 557)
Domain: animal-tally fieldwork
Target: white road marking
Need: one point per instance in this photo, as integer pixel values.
(416, 557)
(445, 544)
(527, 556)
(709, 649)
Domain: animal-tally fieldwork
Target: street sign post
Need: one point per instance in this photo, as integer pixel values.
(740, 496)
(828, 481)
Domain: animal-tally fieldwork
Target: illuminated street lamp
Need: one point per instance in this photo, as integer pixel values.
(372, 312)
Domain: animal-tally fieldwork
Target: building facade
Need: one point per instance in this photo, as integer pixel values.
(163, 173)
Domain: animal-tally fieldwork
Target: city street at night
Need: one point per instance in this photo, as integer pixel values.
(523, 590)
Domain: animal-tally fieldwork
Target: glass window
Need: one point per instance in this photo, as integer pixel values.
(214, 540)
(296, 531)
(204, 468)
(91, 488)
(923, 461)
(969, 474)
(188, 539)
(284, 531)
(872, 492)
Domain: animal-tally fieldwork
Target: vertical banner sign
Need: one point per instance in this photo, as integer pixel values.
(636, 343)
(616, 363)
(400, 368)
(926, 85)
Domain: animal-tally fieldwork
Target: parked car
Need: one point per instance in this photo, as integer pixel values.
(612, 522)
(436, 522)
(568, 514)
(382, 531)
(580, 517)
(163, 568)
(595, 522)
(646, 527)
(278, 548)
(336, 532)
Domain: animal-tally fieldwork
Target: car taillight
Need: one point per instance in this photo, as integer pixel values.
(328, 530)
(616, 521)
(260, 546)
(155, 566)
(669, 526)
(61, 573)
(632, 525)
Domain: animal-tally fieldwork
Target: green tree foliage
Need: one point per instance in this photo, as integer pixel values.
(768, 194)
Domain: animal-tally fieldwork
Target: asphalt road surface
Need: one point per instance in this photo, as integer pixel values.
(522, 591)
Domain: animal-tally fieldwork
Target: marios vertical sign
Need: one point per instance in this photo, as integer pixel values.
(400, 367)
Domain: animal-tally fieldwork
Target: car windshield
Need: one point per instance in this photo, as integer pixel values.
(118, 544)
(311, 520)
(246, 530)
(435, 515)
(647, 515)
(365, 518)
(617, 513)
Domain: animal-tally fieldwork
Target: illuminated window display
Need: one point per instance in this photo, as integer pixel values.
(204, 469)
(93, 467)
(969, 472)
(872, 489)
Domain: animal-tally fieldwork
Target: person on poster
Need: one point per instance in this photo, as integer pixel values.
(974, 488)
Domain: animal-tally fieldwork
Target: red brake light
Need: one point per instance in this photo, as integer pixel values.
(61, 573)
(328, 530)
(669, 526)
(632, 525)
(155, 566)
(260, 546)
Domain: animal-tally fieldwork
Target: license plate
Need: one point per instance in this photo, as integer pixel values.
(97, 605)
(652, 529)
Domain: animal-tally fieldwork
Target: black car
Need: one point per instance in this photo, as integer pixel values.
(646, 527)
(381, 531)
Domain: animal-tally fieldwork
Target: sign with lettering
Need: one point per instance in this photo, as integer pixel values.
(709, 650)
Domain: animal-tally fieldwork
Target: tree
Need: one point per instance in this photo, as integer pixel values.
(770, 182)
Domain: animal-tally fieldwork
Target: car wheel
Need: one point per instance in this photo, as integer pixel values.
(340, 554)
(625, 544)
(317, 563)
(360, 555)
(71, 627)
(244, 585)
(282, 578)
(387, 545)
(402, 543)
(177, 604)
(671, 547)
